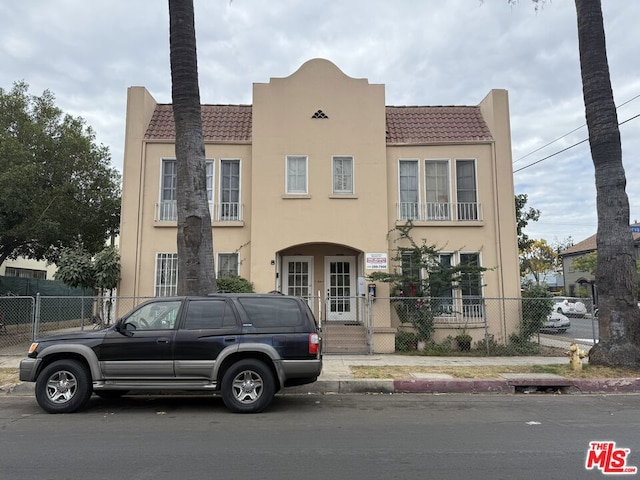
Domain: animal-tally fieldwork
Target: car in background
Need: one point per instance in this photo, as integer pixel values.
(555, 323)
(569, 307)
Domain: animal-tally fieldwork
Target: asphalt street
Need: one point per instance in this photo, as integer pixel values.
(319, 436)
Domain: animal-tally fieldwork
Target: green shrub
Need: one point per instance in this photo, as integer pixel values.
(234, 285)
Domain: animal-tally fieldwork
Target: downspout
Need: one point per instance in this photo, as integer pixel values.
(136, 273)
(498, 237)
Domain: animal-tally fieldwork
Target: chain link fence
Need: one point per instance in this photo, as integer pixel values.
(356, 325)
(24, 318)
(487, 326)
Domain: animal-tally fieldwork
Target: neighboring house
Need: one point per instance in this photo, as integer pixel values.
(306, 183)
(26, 268)
(578, 279)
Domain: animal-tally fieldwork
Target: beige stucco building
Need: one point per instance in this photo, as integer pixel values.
(307, 182)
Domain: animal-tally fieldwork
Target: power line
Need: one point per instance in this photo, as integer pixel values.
(568, 133)
(568, 148)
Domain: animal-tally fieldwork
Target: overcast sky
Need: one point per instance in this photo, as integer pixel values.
(426, 52)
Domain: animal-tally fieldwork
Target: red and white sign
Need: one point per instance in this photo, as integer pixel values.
(608, 459)
(376, 261)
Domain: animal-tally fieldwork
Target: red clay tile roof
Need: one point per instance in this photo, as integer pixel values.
(405, 125)
(419, 125)
(220, 123)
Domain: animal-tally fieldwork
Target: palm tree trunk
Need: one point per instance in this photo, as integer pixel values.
(196, 274)
(619, 317)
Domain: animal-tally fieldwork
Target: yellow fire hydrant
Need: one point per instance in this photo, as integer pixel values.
(575, 356)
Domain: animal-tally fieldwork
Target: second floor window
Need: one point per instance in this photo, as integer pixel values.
(297, 174)
(408, 187)
(343, 175)
(167, 210)
(466, 190)
(229, 190)
(437, 190)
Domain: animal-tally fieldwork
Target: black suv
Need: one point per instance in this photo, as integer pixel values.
(244, 346)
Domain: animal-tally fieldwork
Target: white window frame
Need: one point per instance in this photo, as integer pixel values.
(403, 212)
(437, 210)
(472, 213)
(221, 259)
(221, 207)
(166, 279)
(289, 188)
(334, 175)
(167, 208)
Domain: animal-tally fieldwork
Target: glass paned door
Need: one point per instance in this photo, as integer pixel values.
(340, 287)
(298, 277)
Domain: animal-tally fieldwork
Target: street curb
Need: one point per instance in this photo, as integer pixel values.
(471, 386)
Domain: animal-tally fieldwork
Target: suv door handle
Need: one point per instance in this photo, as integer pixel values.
(162, 340)
(230, 339)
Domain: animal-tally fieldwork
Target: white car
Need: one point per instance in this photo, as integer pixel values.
(555, 323)
(569, 308)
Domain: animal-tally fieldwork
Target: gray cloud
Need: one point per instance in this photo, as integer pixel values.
(426, 53)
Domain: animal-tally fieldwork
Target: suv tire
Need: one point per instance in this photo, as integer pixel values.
(64, 386)
(248, 386)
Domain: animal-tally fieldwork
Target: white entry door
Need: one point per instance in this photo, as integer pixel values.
(298, 277)
(340, 284)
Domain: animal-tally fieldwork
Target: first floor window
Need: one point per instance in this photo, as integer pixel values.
(228, 265)
(441, 286)
(471, 285)
(166, 284)
(411, 273)
(296, 174)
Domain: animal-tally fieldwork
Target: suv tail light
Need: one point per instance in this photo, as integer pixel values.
(314, 343)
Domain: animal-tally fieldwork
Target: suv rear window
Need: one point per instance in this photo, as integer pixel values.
(204, 314)
(274, 312)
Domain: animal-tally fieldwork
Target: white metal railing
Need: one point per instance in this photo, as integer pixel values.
(409, 211)
(167, 211)
(229, 212)
(438, 212)
(468, 211)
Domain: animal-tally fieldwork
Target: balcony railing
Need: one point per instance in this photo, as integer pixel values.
(223, 212)
(439, 212)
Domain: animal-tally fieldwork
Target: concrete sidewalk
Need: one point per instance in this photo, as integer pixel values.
(337, 377)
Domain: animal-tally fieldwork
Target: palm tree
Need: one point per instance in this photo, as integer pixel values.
(619, 317)
(196, 274)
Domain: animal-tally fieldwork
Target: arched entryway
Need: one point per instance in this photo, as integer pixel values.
(328, 276)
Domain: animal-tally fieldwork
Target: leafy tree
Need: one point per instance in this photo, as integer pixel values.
(586, 263)
(536, 305)
(523, 217)
(537, 258)
(195, 237)
(57, 186)
(619, 318)
(78, 268)
(427, 281)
